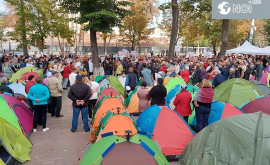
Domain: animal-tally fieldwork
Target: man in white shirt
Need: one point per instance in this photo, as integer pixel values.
(72, 76)
(95, 89)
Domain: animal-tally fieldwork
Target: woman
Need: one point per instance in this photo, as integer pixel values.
(119, 68)
(163, 67)
(39, 94)
(202, 102)
(203, 73)
(196, 75)
(247, 73)
(7, 71)
(107, 67)
(185, 74)
(142, 93)
(94, 86)
(182, 103)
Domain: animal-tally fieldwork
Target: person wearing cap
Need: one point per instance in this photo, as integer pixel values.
(80, 94)
(158, 93)
(182, 103)
(55, 87)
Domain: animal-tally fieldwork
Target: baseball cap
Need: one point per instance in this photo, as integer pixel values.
(79, 77)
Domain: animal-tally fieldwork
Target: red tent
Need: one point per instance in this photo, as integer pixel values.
(109, 92)
(27, 74)
(23, 113)
(260, 104)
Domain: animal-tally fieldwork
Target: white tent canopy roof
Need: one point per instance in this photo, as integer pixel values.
(245, 48)
(265, 51)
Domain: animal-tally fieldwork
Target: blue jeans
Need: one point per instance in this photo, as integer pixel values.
(76, 113)
(202, 115)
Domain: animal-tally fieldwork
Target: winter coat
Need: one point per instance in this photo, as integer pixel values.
(142, 93)
(158, 94)
(66, 72)
(217, 80)
(197, 75)
(79, 91)
(182, 103)
(185, 75)
(55, 87)
(119, 69)
(163, 68)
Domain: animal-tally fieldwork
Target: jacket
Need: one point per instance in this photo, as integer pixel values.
(131, 80)
(28, 85)
(258, 72)
(142, 93)
(72, 78)
(41, 92)
(55, 87)
(94, 86)
(119, 69)
(66, 72)
(158, 94)
(197, 75)
(182, 103)
(4, 88)
(163, 68)
(7, 71)
(217, 80)
(185, 76)
(79, 91)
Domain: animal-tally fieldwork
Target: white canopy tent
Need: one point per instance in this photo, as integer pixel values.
(265, 51)
(245, 48)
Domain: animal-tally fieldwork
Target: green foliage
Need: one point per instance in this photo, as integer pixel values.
(267, 30)
(98, 15)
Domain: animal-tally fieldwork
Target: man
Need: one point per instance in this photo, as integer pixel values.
(72, 76)
(66, 73)
(218, 78)
(258, 70)
(131, 79)
(79, 93)
(158, 93)
(4, 87)
(55, 87)
(31, 81)
(147, 76)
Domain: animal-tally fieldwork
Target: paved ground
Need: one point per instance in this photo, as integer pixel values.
(59, 146)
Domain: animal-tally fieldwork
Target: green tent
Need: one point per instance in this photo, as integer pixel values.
(130, 96)
(15, 147)
(116, 84)
(8, 114)
(173, 82)
(264, 89)
(236, 140)
(236, 92)
(98, 78)
(16, 76)
(139, 149)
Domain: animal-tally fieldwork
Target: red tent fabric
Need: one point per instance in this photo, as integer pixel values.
(109, 92)
(230, 110)
(260, 104)
(23, 113)
(27, 74)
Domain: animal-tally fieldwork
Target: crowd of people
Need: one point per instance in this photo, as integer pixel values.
(76, 72)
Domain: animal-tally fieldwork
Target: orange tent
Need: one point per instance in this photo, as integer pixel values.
(109, 104)
(117, 124)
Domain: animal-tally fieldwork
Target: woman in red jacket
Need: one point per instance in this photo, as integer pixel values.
(185, 74)
(65, 74)
(163, 67)
(182, 103)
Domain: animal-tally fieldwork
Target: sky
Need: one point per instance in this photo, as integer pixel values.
(2, 5)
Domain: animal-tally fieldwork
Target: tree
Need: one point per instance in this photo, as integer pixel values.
(225, 34)
(104, 37)
(98, 16)
(136, 26)
(174, 30)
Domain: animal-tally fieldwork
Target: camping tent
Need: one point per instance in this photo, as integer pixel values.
(172, 95)
(173, 82)
(108, 104)
(236, 91)
(220, 111)
(167, 128)
(27, 74)
(104, 82)
(115, 83)
(236, 140)
(122, 80)
(16, 76)
(14, 146)
(264, 89)
(265, 51)
(245, 48)
(116, 123)
(110, 92)
(132, 101)
(264, 79)
(257, 105)
(18, 88)
(23, 113)
(132, 150)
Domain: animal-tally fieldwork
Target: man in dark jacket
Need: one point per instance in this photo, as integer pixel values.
(80, 93)
(218, 79)
(158, 93)
(4, 87)
(258, 70)
(131, 79)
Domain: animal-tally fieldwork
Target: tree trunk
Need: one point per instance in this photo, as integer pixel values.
(225, 34)
(104, 45)
(22, 19)
(95, 58)
(214, 48)
(174, 31)
(107, 45)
